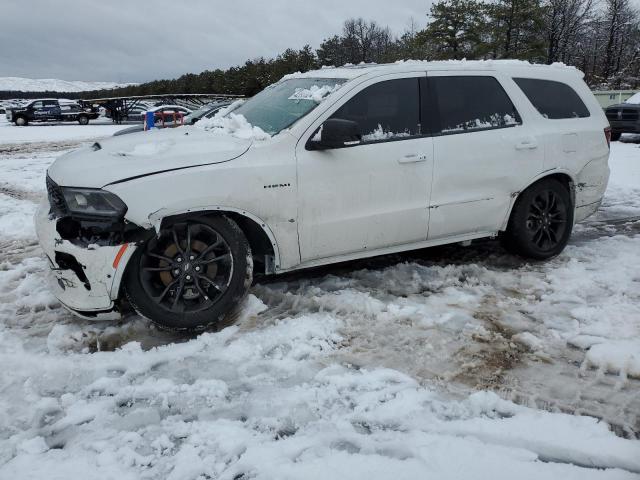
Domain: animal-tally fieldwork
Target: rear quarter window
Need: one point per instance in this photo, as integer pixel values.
(554, 100)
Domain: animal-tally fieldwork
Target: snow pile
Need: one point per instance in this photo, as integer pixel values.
(314, 93)
(621, 357)
(260, 404)
(225, 122)
(234, 125)
(21, 84)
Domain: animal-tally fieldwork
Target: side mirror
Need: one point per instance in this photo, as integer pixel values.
(335, 133)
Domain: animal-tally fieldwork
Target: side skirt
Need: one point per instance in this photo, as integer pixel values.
(389, 250)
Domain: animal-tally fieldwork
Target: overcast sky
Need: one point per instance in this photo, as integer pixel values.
(139, 40)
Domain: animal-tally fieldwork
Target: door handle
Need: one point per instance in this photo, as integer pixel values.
(527, 144)
(413, 158)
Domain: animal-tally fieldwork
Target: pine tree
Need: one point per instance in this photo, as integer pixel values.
(456, 29)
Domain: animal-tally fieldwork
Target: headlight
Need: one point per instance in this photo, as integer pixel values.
(91, 202)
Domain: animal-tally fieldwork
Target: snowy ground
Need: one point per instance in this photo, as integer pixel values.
(451, 362)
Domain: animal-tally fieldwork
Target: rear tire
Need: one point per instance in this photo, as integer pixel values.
(83, 120)
(21, 122)
(192, 276)
(615, 136)
(541, 221)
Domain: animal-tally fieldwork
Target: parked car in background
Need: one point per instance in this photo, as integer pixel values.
(208, 111)
(322, 167)
(624, 117)
(51, 110)
(136, 114)
(169, 113)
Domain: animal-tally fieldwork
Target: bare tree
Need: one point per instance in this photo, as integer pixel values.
(565, 23)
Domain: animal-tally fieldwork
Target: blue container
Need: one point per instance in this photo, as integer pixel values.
(149, 120)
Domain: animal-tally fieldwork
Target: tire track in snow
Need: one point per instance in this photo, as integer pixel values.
(18, 194)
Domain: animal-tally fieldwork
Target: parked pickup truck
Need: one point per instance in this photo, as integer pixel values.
(50, 110)
(624, 117)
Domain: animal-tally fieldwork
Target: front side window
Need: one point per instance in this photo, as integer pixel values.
(36, 105)
(388, 110)
(554, 100)
(471, 103)
(281, 105)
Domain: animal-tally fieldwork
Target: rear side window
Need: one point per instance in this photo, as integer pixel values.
(554, 100)
(471, 103)
(388, 110)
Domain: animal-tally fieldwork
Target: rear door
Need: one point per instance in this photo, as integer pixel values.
(482, 152)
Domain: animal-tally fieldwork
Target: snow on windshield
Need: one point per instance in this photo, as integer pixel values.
(314, 92)
(635, 99)
(225, 122)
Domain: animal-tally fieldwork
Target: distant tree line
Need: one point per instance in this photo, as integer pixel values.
(7, 94)
(600, 37)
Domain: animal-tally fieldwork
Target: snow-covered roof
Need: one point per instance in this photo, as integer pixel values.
(635, 99)
(353, 71)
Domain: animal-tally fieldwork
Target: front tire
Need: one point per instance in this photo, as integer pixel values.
(21, 122)
(541, 221)
(83, 120)
(192, 276)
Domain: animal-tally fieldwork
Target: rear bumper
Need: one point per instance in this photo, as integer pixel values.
(590, 186)
(86, 280)
(625, 126)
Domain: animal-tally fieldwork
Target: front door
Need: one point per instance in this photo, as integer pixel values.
(374, 194)
(483, 153)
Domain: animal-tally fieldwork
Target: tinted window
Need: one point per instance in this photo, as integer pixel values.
(385, 111)
(50, 103)
(36, 105)
(553, 99)
(471, 103)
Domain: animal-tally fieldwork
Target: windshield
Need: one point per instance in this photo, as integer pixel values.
(282, 104)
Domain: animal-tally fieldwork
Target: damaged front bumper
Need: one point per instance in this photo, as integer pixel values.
(86, 279)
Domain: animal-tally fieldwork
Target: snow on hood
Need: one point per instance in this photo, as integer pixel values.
(635, 99)
(144, 153)
(226, 123)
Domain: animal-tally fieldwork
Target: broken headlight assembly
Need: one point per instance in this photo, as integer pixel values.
(91, 203)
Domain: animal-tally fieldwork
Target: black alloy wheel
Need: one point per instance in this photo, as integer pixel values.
(541, 221)
(191, 275)
(547, 220)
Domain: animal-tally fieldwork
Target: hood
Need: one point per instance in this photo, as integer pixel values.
(145, 153)
(618, 106)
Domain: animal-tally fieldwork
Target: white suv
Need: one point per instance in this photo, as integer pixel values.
(322, 167)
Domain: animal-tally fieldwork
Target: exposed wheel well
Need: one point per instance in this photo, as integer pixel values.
(563, 178)
(260, 244)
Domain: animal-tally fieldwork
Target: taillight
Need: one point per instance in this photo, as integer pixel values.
(607, 135)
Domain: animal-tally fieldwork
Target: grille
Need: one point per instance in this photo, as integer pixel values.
(622, 114)
(56, 198)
